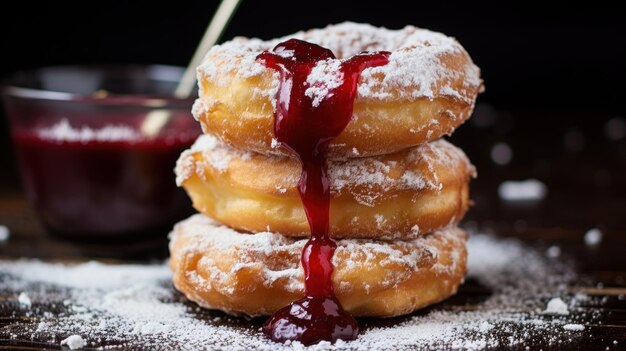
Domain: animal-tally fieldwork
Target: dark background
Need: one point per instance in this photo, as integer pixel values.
(554, 74)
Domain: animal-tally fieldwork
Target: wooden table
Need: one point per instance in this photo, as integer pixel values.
(586, 189)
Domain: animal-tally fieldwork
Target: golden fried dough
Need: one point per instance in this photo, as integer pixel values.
(256, 274)
(427, 89)
(395, 196)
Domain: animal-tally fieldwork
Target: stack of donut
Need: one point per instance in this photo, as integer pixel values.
(397, 189)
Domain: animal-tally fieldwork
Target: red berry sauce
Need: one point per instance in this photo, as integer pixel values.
(306, 127)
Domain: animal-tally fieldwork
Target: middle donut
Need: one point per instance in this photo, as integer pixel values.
(393, 196)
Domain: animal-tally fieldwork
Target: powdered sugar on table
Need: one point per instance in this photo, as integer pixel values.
(135, 306)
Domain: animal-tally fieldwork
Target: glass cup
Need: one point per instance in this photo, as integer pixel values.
(91, 164)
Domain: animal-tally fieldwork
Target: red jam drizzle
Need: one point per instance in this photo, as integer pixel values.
(306, 129)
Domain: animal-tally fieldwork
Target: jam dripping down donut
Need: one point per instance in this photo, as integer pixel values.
(307, 118)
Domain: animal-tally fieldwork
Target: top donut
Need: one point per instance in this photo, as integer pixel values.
(427, 89)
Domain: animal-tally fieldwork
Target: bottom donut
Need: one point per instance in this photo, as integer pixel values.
(257, 274)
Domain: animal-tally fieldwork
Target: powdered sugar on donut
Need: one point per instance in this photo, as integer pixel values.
(422, 64)
(324, 77)
(367, 179)
(201, 234)
(216, 154)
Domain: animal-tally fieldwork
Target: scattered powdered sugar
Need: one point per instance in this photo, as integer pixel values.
(132, 306)
(74, 342)
(284, 53)
(556, 306)
(4, 233)
(525, 190)
(24, 300)
(574, 327)
(89, 275)
(501, 154)
(63, 131)
(553, 251)
(593, 237)
(485, 326)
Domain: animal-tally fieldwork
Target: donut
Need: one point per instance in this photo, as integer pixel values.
(400, 195)
(427, 89)
(256, 274)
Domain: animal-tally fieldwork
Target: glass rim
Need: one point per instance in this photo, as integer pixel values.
(10, 87)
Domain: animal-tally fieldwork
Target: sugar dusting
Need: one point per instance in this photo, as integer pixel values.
(5, 233)
(593, 237)
(324, 77)
(74, 342)
(395, 261)
(135, 305)
(418, 67)
(365, 179)
(524, 190)
(215, 155)
(24, 300)
(501, 154)
(556, 306)
(64, 131)
(574, 327)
